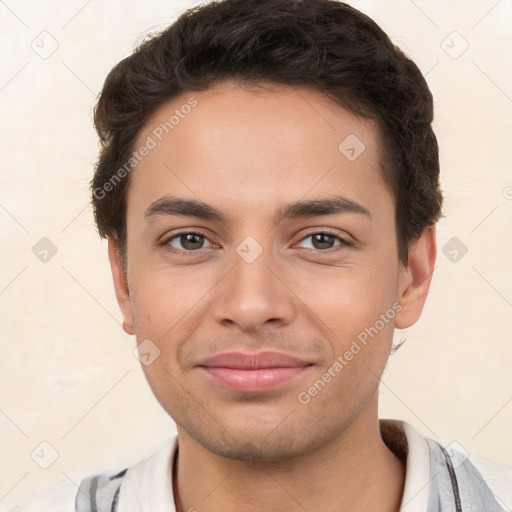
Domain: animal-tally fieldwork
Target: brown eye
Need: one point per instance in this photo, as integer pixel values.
(187, 241)
(324, 241)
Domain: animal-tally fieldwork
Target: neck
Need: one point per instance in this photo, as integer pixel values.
(350, 473)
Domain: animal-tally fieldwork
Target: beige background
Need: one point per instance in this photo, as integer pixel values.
(68, 374)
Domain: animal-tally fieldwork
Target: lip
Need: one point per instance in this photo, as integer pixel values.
(253, 373)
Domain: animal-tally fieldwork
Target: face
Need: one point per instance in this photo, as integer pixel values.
(292, 250)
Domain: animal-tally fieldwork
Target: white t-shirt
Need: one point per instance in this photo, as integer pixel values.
(438, 479)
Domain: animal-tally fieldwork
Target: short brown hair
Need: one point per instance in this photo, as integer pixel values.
(321, 44)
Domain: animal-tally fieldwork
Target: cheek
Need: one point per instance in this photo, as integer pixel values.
(350, 300)
(359, 310)
(162, 299)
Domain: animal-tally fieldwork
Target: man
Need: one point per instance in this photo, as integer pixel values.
(269, 186)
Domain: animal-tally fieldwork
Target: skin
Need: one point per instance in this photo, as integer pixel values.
(249, 151)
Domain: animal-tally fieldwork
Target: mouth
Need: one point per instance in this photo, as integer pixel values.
(253, 373)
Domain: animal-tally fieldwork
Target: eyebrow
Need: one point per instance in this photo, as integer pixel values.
(170, 205)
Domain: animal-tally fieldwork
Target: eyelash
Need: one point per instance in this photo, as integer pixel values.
(345, 242)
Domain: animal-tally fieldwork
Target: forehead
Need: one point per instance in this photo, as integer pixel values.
(246, 146)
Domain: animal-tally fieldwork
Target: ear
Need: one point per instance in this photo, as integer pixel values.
(415, 278)
(120, 286)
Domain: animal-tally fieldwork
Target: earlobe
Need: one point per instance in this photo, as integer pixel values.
(415, 278)
(121, 286)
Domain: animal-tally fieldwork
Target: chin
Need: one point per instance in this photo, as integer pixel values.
(247, 442)
(256, 449)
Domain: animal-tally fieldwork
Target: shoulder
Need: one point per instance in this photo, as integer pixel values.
(481, 472)
(497, 477)
(93, 492)
(479, 482)
(450, 471)
(101, 491)
(59, 497)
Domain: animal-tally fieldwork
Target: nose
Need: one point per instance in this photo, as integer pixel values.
(254, 294)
